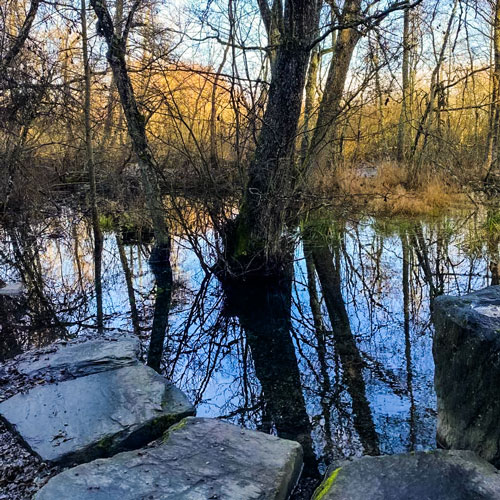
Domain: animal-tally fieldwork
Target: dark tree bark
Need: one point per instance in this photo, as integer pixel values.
(89, 150)
(163, 277)
(116, 41)
(261, 222)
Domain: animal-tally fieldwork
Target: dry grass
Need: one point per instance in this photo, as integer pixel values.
(384, 190)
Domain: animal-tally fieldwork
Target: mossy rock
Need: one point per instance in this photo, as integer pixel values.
(436, 475)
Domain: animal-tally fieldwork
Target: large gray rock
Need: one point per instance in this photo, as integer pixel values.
(438, 475)
(467, 377)
(94, 416)
(80, 359)
(200, 459)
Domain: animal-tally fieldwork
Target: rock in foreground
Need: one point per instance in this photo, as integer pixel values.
(80, 359)
(198, 459)
(438, 475)
(467, 378)
(95, 416)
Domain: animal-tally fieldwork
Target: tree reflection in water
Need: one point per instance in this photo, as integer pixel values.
(334, 351)
(263, 306)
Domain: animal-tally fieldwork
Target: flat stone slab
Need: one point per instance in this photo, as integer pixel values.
(437, 475)
(81, 359)
(199, 459)
(466, 350)
(95, 416)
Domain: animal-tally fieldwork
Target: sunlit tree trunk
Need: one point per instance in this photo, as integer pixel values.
(405, 70)
(326, 131)
(272, 18)
(310, 102)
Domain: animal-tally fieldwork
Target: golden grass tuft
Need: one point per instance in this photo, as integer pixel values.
(384, 190)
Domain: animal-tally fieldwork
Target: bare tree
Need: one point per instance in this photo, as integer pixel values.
(117, 43)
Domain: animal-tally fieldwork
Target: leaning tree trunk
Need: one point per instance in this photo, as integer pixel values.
(21, 37)
(330, 107)
(116, 43)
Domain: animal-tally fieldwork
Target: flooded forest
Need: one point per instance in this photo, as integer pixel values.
(271, 198)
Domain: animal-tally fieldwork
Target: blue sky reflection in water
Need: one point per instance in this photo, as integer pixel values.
(206, 352)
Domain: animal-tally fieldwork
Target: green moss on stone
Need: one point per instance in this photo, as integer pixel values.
(326, 485)
(105, 443)
(176, 427)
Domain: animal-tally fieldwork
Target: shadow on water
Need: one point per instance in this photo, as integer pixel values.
(334, 350)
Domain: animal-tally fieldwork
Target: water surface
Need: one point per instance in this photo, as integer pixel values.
(344, 387)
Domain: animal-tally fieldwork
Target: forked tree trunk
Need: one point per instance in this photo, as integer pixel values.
(260, 225)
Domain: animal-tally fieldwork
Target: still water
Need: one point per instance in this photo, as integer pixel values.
(353, 379)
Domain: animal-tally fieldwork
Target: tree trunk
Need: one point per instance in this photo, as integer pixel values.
(21, 37)
(319, 155)
(403, 117)
(494, 167)
(260, 225)
(135, 123)
(89, 149)
(310, 101)
(426, 120)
